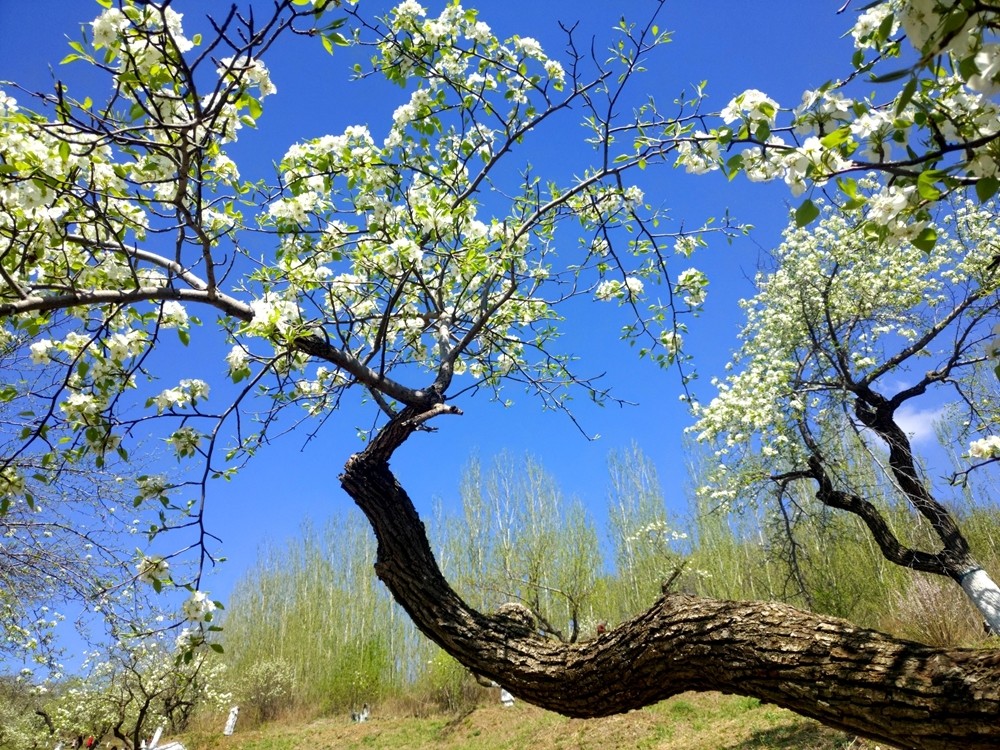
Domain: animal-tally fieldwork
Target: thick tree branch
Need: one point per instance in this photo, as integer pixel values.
(854, 679)
(892, 549)
(876, 413)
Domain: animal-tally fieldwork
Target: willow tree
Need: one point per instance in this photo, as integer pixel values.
(414, 266)
(521, 540)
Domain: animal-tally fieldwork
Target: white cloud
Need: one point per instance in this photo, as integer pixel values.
(919, 423)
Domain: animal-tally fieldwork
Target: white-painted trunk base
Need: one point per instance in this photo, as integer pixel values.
(985, 594)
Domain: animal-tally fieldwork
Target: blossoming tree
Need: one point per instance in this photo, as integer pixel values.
(131, 692)
(67, 548)
(412, 266)
(847, 333)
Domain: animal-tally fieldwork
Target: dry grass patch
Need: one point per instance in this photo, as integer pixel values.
(706, 721)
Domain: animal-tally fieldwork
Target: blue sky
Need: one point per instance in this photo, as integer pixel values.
(782, 48)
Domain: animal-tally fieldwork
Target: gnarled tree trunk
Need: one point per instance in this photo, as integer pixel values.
(850, 678)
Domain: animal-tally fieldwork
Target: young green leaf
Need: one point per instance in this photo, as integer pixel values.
(806, 213)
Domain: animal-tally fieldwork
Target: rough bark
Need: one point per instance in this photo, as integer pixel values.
(850, 678)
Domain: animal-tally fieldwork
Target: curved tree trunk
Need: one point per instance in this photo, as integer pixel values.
(850, 678)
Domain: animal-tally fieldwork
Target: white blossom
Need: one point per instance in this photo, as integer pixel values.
(529, 47)
(107, 26)
(41, 351)
(185, 441)
(754, 105)
(251, 70)
(700, 154)
(198, 607)
(151, 569)
(987, 447)
(173, 315)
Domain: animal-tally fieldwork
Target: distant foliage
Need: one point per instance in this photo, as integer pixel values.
(264, 689)
(314, 609)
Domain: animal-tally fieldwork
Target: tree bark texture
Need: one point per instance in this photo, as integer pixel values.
(850, 678)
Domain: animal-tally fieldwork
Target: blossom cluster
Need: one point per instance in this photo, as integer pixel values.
(947, 106)
(836, 308)
(362, 221)
(628, 289)
(186, 393)
(198, 607)
(150, 569)
(987, 447)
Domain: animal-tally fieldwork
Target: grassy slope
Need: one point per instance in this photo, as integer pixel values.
(686, 722)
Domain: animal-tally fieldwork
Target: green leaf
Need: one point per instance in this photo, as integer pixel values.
(806, 213)
(889, 77)
(954, 21)
(986, 188)
(906, 95)
(184, 336)
(216, 647)
(926, 184)
(256, 110)
(838, 137)
(848, 187)
(926, 239)
(885, 28)
(734, 165)
(967, 68)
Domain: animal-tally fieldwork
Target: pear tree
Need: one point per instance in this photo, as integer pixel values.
(407, 266)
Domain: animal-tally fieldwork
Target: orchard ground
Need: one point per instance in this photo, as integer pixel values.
(706, 721)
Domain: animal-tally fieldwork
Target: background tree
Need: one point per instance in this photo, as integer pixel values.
(417, 271)
(529, 545)
(123, 694)
(838, 339)
(71, 537)
(312, 610)
(644, 541)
